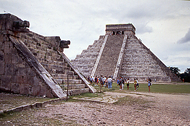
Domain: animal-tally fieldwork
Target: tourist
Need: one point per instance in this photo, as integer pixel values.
(91, 79)
(106, 82)
(96, 81)
(101, 81)
(128, 83)
(118, 81)
(109, 82)
(135, 84)
(122, 83)
(149, 83)
(104, 78)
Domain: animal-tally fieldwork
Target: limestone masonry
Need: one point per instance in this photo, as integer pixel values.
(120, 53)
(32, 64)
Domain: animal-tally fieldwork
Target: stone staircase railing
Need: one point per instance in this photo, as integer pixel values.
(92, 89)
(109, 58)
(99, 56)
(119, 62)
(85, 62)
(33, 62)
(58, 65)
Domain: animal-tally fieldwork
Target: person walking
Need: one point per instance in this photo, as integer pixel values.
(118, 81)
(149, 83)
(135, 84)
(109, 82)
(106, 82)
(122, 83)
(128, 83)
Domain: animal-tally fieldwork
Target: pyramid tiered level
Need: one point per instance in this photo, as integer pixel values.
(120, 53)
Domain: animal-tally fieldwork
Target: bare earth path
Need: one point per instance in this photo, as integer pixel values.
(163, 110)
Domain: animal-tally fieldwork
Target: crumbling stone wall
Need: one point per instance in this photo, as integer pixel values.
(20, 71)
(33, 64)
(16, 75)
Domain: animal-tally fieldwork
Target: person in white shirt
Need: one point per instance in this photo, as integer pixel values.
(109, 82)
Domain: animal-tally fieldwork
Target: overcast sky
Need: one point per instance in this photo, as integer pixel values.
(162, 25)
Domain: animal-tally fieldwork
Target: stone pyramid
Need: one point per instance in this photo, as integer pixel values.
(32, 64)
(120, 53)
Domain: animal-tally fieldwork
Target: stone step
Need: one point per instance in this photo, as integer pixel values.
(77, 91)
(54, 62)
(71, 81)
(64, 77)
(110, 55)
(72, 86)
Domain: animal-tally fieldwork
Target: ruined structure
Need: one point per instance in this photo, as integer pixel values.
(120, 53)
(32, 64)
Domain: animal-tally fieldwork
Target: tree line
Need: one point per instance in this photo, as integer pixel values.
(185, 77)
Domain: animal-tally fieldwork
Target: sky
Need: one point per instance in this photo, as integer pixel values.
(162, 25)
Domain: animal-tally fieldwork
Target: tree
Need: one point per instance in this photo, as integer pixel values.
(175, 70)
(186, 75)
(187, 71)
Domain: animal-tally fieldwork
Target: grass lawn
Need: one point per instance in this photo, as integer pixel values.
(155, 88)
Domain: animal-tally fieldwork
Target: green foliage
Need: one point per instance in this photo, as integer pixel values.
(175, 70)
(186, 75)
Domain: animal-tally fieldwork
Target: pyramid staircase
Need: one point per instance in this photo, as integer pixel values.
(110, 54)
(123, 54)
(86, 60)
(45, 49)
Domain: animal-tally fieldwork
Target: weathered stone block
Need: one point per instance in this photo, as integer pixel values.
(36, 90)
(24, 89)
(2, 69)
(7, 57)
(5, 82)
(49, 94)
(21, 65)
(7, 47)
(15, 57)
(22, 79)
(9, 69)
(15, 88)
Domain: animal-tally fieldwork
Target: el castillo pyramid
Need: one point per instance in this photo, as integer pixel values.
(120, 53)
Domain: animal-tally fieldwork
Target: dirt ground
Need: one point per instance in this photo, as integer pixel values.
(163, 110)
(152, 109)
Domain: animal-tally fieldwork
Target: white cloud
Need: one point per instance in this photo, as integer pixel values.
(159, 23)
(186, 38)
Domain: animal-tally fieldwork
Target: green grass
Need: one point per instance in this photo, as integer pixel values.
(155, 88)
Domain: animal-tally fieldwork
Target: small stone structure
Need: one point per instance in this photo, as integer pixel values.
(120, 53)
(32, 64)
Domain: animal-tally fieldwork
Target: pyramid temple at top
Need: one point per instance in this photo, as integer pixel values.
(120, 53)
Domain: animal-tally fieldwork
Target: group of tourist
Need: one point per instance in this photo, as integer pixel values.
(120, 82)
(107, 82)
(103, 80)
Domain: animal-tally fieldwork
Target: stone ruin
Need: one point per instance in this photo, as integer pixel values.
(120, 53)
(32, 64)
